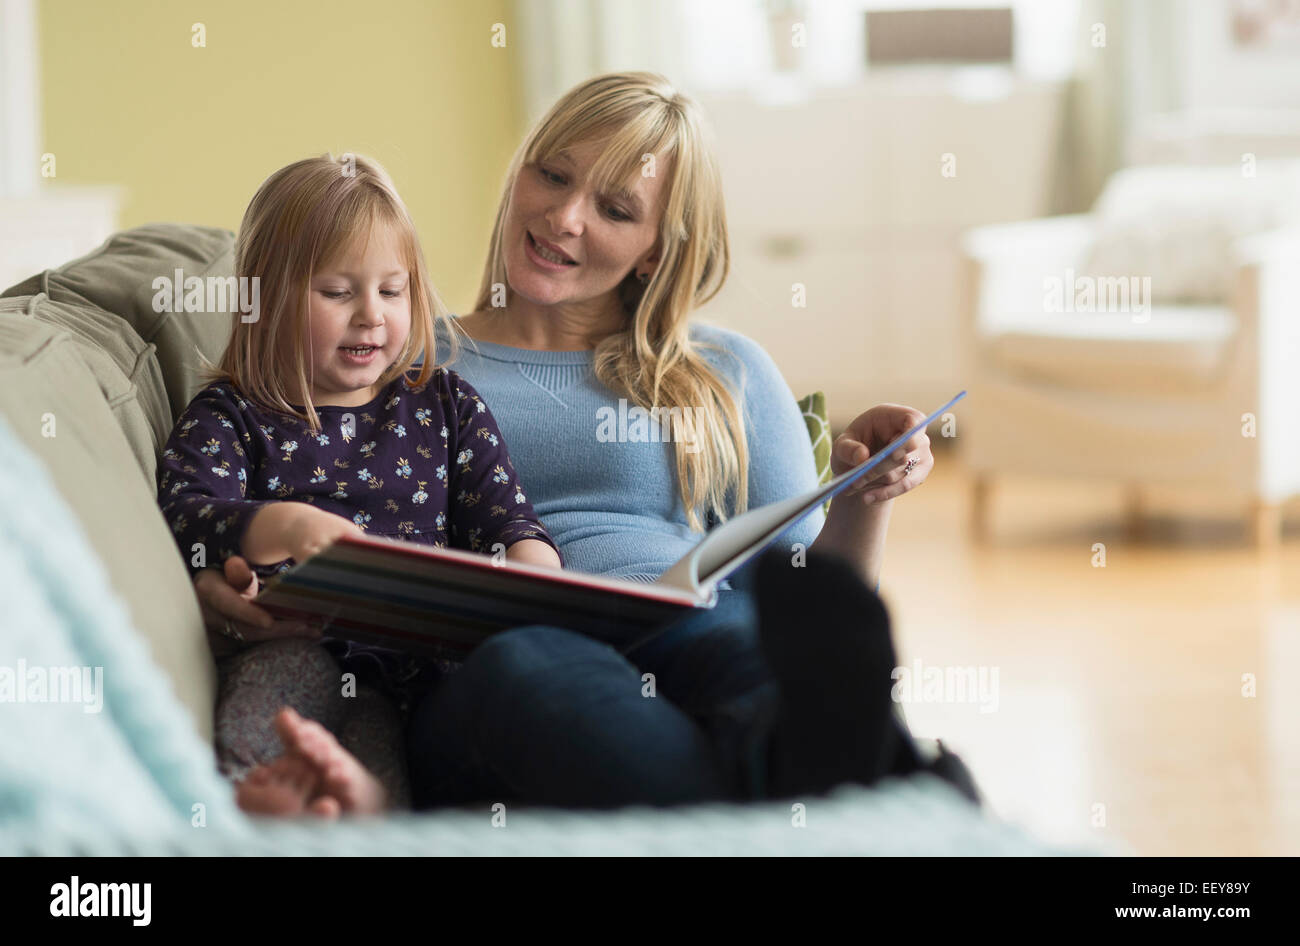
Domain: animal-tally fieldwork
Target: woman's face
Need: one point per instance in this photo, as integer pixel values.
(566, 243)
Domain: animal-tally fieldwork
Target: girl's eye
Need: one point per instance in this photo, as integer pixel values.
(550, 176)
(614, 213)
(340, 293)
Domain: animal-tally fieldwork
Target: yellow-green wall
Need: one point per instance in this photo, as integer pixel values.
(189, 133)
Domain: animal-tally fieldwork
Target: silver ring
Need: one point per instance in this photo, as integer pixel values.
(231, 632)
(911, 462)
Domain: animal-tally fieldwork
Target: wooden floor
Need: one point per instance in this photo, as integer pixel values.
(1122, 713)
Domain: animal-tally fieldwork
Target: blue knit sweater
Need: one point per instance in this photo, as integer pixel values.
(599, 474)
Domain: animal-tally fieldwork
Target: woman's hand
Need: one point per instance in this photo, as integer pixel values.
(872, 432)
(859, 517)
(226, 599)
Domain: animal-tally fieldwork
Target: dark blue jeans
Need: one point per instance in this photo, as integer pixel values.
(546, 716)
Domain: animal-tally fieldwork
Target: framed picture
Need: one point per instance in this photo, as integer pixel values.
(1266, 25)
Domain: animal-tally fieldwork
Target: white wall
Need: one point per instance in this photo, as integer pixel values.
(1183, 58)
(19, 97)
(1216, 73)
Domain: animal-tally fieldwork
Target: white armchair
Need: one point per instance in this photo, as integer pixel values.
(1166, 396)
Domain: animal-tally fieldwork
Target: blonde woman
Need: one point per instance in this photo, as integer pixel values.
(611, 232)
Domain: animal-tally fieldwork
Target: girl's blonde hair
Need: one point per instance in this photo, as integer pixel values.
(653, 360)
(303, 216)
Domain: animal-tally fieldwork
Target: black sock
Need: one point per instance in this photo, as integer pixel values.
(826, 637)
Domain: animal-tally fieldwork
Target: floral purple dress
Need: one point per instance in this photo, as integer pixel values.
(423, 464)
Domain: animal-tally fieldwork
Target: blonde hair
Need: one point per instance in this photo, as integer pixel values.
(653, 361)
(301, 217)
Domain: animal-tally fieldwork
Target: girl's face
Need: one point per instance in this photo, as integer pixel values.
(566, 243)
(360, 317)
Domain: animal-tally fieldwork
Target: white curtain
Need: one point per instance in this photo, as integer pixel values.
(744, 45)
(566, 41)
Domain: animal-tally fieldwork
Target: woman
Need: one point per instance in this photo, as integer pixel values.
(610, 232)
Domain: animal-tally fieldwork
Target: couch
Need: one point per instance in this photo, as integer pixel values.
(91, 378)
(1195, 385)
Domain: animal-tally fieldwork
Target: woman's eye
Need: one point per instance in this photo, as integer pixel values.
(614, 213)
(391, 293)
(551, 176)
(333, 293)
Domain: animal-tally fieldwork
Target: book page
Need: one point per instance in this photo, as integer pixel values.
(736, 541)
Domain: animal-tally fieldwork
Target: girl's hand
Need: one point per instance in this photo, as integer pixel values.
(533, 552)
(293, 530)
(872, 432)
(309, 530)
(226, 599)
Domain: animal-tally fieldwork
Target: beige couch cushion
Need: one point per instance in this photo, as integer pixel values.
(1175, 348)
(121, 365)
(118, 277)
(45, 372)
(83, 343)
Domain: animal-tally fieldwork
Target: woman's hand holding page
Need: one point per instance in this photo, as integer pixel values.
(872, 431)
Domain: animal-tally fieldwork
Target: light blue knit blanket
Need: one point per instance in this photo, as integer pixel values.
(113, 765)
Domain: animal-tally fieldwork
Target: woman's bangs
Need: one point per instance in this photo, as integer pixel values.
(623, 159)
(625, 141)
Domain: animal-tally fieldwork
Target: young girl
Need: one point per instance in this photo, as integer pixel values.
(318, 426)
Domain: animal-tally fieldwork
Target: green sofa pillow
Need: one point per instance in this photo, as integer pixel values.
(118, 277)
(813, 408)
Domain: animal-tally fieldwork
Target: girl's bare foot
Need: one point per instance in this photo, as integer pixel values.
(315, 776)
(283, 787)
(342, 778)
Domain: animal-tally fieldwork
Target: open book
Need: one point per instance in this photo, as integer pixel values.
(444, 602)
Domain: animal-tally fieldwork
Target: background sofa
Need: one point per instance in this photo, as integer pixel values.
(1196, 386)
(91, 378)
